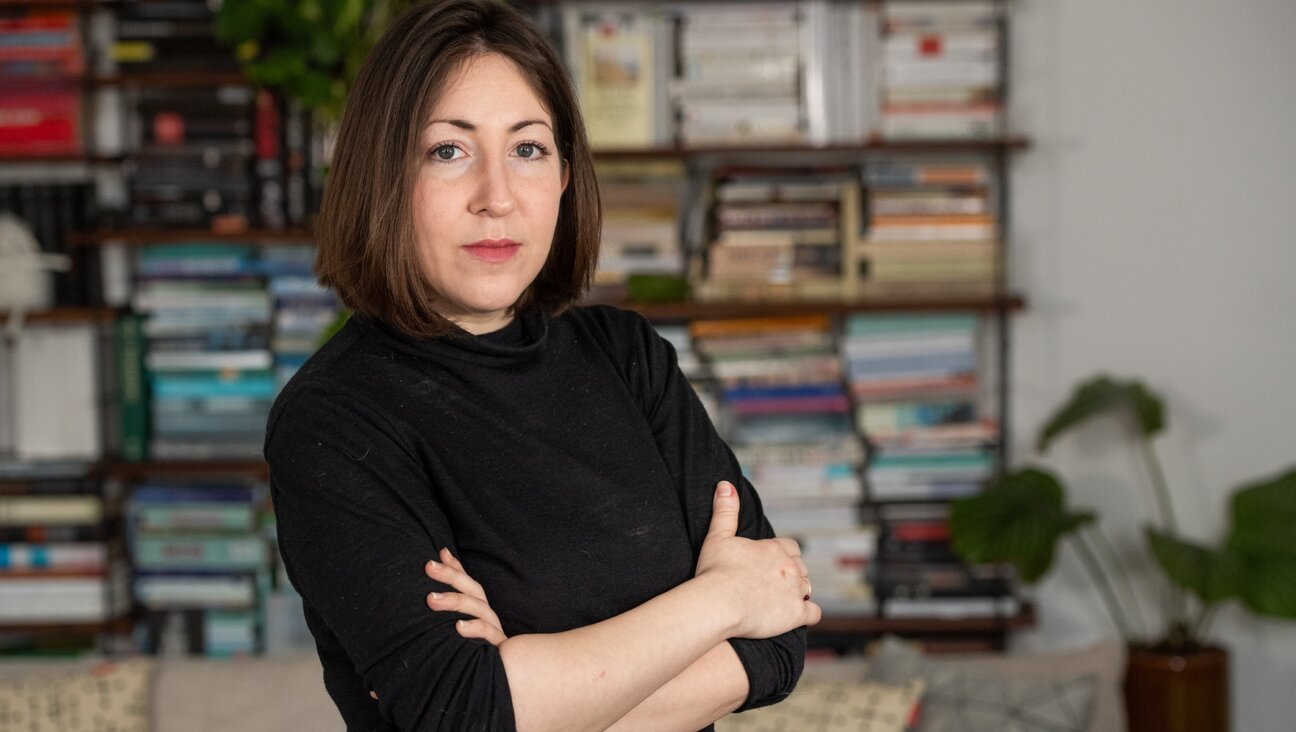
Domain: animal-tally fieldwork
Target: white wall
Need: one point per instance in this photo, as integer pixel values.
(1154, 235)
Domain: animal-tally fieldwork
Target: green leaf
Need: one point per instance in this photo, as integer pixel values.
(1264, 518)
(236, 22)
(1212, 575)
(1270, 587)
(1101, 395)
(1017, 519)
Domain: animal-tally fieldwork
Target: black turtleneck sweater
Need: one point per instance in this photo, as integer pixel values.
(565, 461)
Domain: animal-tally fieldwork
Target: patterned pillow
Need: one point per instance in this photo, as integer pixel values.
(963, 698)
(109, 697)
(833, 706)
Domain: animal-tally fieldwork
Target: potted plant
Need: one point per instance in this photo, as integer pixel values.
(1176, 678)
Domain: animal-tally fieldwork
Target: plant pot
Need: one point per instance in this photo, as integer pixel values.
(1168, 691)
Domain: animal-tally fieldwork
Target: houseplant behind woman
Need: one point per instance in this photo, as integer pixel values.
(1177, 681)
(599, 559)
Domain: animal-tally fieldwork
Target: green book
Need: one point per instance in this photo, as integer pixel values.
(132, 389)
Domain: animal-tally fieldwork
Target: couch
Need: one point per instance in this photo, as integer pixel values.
(278, 693)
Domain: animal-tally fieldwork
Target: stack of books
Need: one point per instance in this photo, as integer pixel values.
(193, 165)
(207, 352)
(303, 309)
(741, 80)
(723, 73)
(782, 234)
(788, 417)
(169, 36)
(642, 211)
(202, 567)
(58, 560)
(914, 381)
(918, 574)
(932, 231)
(940, 70)
(41, 60)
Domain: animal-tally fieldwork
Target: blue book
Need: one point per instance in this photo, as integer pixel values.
(941, 363)
(778, 392)
(154, 493)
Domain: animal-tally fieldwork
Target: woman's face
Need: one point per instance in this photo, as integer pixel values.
(486, 193)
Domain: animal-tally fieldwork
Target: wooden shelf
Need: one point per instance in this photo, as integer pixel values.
(184, 469)
(61, 158)
(680, 311)
(1000, 144)
(171, 79)
(179, 236)
(872, 625)
(116, 625)
(67, 315)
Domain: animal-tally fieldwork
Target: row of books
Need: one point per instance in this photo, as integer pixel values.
(196, 562)
(807, 71)
(206, 573)
(940, 65)
(897, 227)
(61, 559)
(223, 157)
(849, 429)
(41, 59)
(218, 329)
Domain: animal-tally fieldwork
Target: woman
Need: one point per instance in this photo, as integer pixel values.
(555, 453)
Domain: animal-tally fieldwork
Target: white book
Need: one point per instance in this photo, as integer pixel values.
(208, 360)
(195, 591)
(951, 608)
(940, 73)
(56, 393)
(961, 45)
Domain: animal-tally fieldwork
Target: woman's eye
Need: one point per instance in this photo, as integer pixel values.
(528, 150)
(445, 152)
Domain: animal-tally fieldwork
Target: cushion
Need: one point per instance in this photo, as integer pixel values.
(73, 697)
(263, 694)
(1064, 692)
(833, 706)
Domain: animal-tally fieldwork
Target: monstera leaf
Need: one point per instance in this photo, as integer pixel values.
(1258, 561)
(1212, 575)
(1017, 519)
(1263, 534)
(1101, 396)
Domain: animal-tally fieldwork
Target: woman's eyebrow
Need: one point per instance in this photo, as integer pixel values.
(470, 127)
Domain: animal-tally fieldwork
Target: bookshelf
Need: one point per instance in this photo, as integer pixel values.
(699, 161)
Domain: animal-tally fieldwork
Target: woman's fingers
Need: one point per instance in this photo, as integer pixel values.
(461, 603)
(481, 629)
(484, 623)
(454, 575)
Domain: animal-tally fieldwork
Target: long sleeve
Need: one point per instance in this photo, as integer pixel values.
(357, 521)
(697, 459)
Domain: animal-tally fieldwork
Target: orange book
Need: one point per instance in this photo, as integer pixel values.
(747, 326)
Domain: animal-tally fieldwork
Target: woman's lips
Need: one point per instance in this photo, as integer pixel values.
(493, 250)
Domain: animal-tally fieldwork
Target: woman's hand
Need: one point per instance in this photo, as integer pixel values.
(469, 600)
(765, 582)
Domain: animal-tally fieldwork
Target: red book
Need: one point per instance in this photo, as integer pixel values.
(40, 121)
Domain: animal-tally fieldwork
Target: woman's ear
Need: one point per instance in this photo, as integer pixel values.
(566, 175)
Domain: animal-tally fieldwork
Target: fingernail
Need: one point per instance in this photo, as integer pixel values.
(461, 623)
(726, 488)
(436, 595)
(434, 564)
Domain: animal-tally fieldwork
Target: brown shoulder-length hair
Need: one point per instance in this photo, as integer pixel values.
(367, 250)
